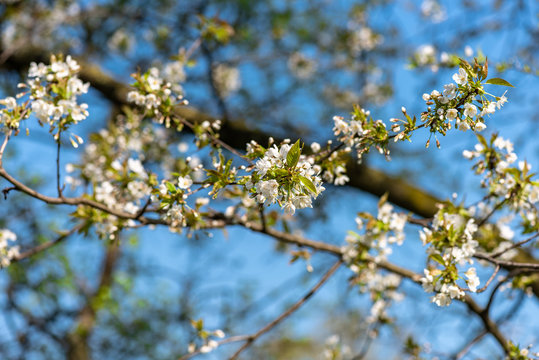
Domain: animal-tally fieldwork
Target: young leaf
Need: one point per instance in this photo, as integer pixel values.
(498, 81)
(308, 184)
(292, 157)
(438, 258)
(383, 199)
(170, 187)
(482, 140)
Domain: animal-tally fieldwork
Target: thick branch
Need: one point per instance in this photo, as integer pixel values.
(489, 325)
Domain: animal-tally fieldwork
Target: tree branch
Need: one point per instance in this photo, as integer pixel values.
(74, 201)
(252, 338)
(47, 245)
(237, 134)
(509, 265)
(490, 325)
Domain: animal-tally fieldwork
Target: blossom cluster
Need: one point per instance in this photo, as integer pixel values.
(516, 352)
(501, 228)
(7, 252)
(364, 39)
(207, 338)
(361, 132)
(432, 10)
(156, 95)
(334, 349)
(121, 41)
(117, 162)
(159, 92)
(12, 114)
(380, 232)
(114, 163)
(330, 163)
(424, 55)
(463, 104)
(42, 25)
(360, 36)
(127, 197)
(451, 236)
(504, 176)
(301, 66)
(451, 243)
(226, 79)
(427, 55)
(172, 199)
(383, 291)
(54, 90)
(286, 177)
(206, 131)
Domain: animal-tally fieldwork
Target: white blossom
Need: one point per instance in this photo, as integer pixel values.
(185, 182)
(473, 280)
(7, 252)
(461, 78)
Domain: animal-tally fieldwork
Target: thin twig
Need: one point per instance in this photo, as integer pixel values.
(192, 48)
(4, 144)
(511, 274)
(468, 346)
(330, 152)
(490, 325)
(515, 245)
(507, 264)
(251, 338)
(47, 245)
(218, 141)
(366, 345)
(262, 217)
(228, 340)
(320, 246)
(489, 280)
(6, 191)
(60, 195)
(489, 215)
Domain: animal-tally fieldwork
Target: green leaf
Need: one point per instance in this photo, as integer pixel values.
(498, 81)
(170, 187)
(292, 157)
(227, 167)
(164, 204)
(278, 173)
(308, 184)
(482, 140)
(198, 324)
(438, 258)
